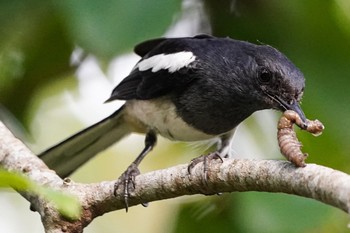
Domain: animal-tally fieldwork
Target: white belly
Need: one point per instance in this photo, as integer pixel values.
(160, 116)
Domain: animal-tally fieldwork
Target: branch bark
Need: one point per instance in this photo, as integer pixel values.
(313, 181)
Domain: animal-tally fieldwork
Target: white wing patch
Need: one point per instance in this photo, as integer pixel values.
(171, 62)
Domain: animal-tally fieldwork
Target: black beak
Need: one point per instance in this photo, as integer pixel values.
(293, 105)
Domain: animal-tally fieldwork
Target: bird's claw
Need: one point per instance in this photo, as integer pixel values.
(205, 159)
(127, 179)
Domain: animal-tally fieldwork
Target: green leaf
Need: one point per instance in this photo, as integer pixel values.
(14, 180)
(66, 204)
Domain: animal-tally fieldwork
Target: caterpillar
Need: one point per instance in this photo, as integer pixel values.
(288, 142)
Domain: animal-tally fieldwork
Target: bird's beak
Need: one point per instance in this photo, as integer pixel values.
(295, 106)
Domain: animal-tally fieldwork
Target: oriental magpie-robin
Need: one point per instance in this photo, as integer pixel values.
(187, 89)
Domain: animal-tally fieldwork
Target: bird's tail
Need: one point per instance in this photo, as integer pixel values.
(70, 154)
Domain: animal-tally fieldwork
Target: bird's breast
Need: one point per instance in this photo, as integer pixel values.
(160, 115)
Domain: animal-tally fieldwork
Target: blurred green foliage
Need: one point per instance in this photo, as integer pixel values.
(38, 38)
(66, 204)
(252, 212)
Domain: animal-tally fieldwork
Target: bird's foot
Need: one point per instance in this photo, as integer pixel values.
(127, 180)
(205, 159)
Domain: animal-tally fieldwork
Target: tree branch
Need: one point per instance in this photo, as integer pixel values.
(313, 181)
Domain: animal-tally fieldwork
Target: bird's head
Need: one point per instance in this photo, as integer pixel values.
(278, 83)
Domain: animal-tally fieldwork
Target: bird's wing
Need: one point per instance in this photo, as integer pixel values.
(147, 46)
(167, 65)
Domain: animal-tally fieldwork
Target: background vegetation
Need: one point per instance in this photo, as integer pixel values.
(59, 60)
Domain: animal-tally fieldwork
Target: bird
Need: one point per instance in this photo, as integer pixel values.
(186, 89)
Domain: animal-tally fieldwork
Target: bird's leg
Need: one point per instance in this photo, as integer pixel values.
(223, 146)
(127, 179)
(222, 151)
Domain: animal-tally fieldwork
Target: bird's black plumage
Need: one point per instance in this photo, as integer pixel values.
(224, 78)
(190, 89)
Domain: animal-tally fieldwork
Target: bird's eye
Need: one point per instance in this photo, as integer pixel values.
(264, 75)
